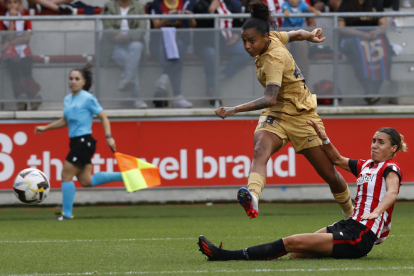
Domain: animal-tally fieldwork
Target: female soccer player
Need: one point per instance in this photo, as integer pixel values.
(289, 104)
(379, 181)
(79, 108)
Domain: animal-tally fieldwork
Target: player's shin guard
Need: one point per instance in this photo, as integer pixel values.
(68, 197)
(255, 184)
(266, 251)
(105, 177)
(344, 200)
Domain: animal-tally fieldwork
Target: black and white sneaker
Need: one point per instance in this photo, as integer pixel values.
(64, 218)
(61, 216)
(66, 9)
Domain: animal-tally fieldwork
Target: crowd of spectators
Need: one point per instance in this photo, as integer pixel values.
(17, 56)
(374, 43)
(204, 42)
(123, 44)
(58, 6)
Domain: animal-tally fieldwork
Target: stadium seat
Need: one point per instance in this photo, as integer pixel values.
(50, 12)
(63, 59)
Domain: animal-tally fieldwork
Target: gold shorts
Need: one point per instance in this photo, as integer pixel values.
(293, 128)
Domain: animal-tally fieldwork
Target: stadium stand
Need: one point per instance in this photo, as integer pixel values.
(76, 11)
(73, 43)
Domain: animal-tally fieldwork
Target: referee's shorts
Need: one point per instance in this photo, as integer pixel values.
(351, 239)
(82, 148)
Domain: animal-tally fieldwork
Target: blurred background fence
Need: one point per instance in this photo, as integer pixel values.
(64, 43)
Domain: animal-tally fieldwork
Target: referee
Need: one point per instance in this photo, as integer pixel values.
(79, 108)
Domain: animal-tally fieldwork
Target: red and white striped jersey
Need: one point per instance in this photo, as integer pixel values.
(275, 6)
(371, 190)
(21, 50)
(225, 24)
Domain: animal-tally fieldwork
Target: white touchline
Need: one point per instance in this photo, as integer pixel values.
(97, 240)
(215, 271)
(143, 239)
(121, 240)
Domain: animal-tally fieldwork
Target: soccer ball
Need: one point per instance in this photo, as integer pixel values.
(31, 186)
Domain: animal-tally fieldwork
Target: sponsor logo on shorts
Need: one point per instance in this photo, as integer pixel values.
(265, 120)
(269, 120)
(310, 140)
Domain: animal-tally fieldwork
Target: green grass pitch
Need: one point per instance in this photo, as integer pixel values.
(161, 240)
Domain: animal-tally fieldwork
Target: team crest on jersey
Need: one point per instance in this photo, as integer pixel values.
(365, 178)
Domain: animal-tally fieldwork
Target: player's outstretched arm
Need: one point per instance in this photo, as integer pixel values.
(268, 100)
(392, 182)
(107, 128)
(56, 124)
(316, 36)
(330, 150)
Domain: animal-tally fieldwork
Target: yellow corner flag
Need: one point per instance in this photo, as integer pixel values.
(136, 173)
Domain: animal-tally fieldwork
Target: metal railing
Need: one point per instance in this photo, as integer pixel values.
(97, 31)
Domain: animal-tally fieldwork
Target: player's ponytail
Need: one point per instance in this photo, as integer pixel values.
(260, 18)
(87, 74)
(403, 145)
(396, 138)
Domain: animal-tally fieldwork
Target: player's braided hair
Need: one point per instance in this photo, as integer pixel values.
(396, 138)
(87, 74)
(260, 18)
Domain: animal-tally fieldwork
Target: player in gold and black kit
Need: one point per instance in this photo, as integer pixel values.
(288, 105)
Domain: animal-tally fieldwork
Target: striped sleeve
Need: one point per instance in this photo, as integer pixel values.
(355, 165)
(392, 168)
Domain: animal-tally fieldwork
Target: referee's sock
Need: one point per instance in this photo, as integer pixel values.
(344, 200)
(68, 196)
(105, 177)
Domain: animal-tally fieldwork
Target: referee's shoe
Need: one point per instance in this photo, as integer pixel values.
(61, 216)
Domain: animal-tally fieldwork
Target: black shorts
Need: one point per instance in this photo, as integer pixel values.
(352, 239)
(82, 149)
